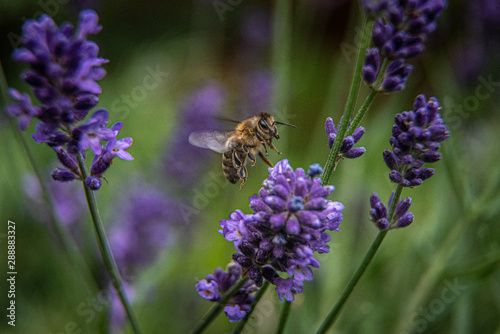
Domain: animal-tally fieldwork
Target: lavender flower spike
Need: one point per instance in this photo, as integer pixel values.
(216, 284)
(64, 70)
(346, 149)
(399, 33)
(416, 137)
(289, 223)
(378, 213)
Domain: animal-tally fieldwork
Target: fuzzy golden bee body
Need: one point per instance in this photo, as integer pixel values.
(245, 142)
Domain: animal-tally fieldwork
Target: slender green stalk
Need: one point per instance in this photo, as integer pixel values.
(285, 313)
(62, 234)
(394, 202)
(361, 112)
(332, 316)
(328, 322)
(367, 27)
(218, 307)
(109, 261)
(253, 305)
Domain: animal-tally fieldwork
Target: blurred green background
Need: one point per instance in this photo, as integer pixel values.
(440, 275)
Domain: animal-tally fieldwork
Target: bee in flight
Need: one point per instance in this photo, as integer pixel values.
(246, 141)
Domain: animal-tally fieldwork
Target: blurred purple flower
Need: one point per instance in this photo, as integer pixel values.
(143, 226)
(118, 316)
(69, 203)
(472, 51)
(256, 27)
(183, 163)
(257, 92)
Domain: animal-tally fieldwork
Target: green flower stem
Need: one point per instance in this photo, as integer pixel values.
(368, 100)
(285, 313)
(62, 234)
(393, 204)
(330, 319)
(361, 112)
(255, 301)
(331, 163)
(109, 261)
(218, 306)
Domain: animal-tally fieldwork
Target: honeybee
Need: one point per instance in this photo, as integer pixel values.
(245, 142)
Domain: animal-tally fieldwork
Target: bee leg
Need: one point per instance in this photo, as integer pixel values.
(242, 173)
(252, 158)
(250, 155)
(265, 159)
(270, 143)
(259, 137)
(236, 160)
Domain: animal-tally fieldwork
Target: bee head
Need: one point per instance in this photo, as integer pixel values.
(267, 126)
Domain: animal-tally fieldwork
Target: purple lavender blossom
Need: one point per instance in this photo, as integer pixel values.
(64, 70)
(183, 162)
(64, 67)
(216, 284)
(289, 223)
(378, 213)
(114, 148)
(395, 76)
(94, 131)
(24, 109)
(416, 138)
(346, 150)
(399, 33)
(371, 66)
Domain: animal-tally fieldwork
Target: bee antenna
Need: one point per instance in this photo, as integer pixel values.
(281, 123)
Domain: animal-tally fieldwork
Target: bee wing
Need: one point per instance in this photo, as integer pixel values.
(213, 140)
